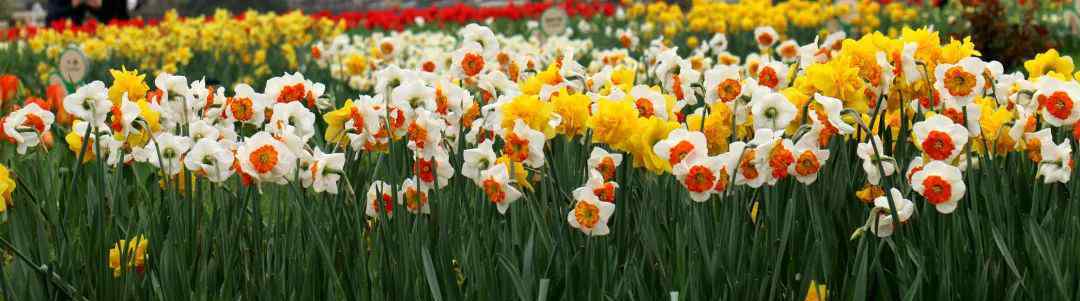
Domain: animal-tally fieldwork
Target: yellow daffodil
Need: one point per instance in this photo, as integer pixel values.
(135, 253)
(535, 113)
(1049, 61)
(127, 81)
(574, 109)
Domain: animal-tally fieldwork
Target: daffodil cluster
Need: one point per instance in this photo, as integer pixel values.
(714, 122)
(707, 16)
(173, 43)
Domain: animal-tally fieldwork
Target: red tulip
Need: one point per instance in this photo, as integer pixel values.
(9, 84)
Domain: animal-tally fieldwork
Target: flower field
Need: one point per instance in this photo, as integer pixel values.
(637, 151)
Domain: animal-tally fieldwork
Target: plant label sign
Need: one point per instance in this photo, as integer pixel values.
(554, 21)
(73, 65)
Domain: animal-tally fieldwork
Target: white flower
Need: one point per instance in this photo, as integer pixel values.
(885, 76)
(292, 118)
(682, 145)
(884, 221)
(961, 82)
(698, 176)
(1058, 100)
(772, 111)
(210, 158)
(939, 138)
(478, 159)
(293, 88)
(266, 159)
(415, 198)
(649, 102)
(323, 172)
(678, 76)
(178, 104)
(718, 43)
(496, 185)
(765, 36)
(722, 83)
(904, 63)
(434, 170)
(809, 159)
(773, 74)
(247, 106)
(772, 148)
(524, 144)
(870, 159)
(469, 61)
(414, 95)
(26, 125)
(833, 108)
(481, 35)
(788, 51)
(1056, 163)
(941, 184)
(604, 162)
(166, 151)
(380, 198)
(128, 113)
(90, 103)
(203, 129)
(589, 214)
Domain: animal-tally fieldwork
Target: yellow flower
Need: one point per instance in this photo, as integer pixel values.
(957, 50)
(717, 127)
(7, 186)
(624, 78)
(150, 115)
(574, 109)
(868, 193)
(550, 76)
(355, 64)
(1048, 61)
(535, 113)
(135, 254)
(928, 41)
(692, 42)
(517, 171)
(613, 122)
(816, 292)
(127, 81)
(647, 132)
(838, 78)
(335, 123)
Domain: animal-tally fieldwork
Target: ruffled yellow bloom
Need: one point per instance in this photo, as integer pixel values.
(717, 127)
(1048, 61)
(613, 122)
(928, 41)
(517, 172)
(550, 76)
(535, 113)
(7, 186)
(957, 50)
(355, 64)
(817, 292)
(335, 123)
(837, 78)
(135, 254)
(624, 78)
(127, 81)
(647, 132)
(574, 109)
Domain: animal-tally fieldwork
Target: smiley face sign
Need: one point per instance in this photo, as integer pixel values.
(554, 21)
(73, 65)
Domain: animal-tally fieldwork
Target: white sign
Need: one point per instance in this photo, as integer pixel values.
(554, 21)
(73, 65)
